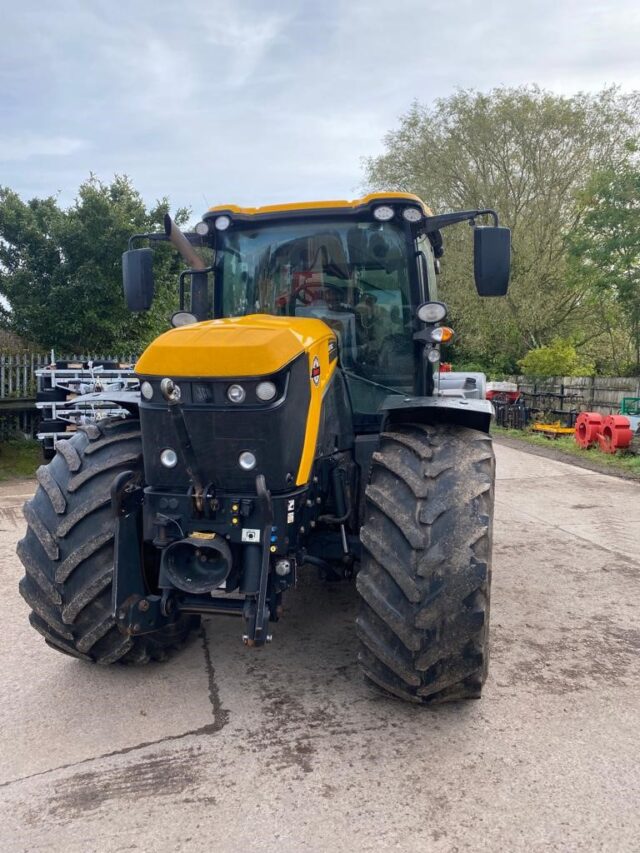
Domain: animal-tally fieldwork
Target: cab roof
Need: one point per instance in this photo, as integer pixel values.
(301, 207)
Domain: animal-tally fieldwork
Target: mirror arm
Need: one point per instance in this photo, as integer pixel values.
(154, 236)
(435, 223)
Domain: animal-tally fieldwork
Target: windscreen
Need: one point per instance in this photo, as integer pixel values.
(352, 275)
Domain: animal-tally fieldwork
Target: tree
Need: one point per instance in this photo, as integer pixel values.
(60, 270)
(605, 248)
(559, 358)
(526, 153)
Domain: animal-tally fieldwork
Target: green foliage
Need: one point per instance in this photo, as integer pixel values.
(625, 463)
(60, 270)
(559, 358)
(527, 153)
(605, 248)
(19, 458)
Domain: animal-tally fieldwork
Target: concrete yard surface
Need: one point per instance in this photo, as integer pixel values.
(225, 748)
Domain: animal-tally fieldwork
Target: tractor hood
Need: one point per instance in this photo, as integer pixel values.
(254, 345)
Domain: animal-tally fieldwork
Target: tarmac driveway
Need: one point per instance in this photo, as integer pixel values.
(227, 748)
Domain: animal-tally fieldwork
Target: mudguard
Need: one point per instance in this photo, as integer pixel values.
(475, 414)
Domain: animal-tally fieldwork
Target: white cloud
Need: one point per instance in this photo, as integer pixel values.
(242, 40)
(25, 147)
(256, 102)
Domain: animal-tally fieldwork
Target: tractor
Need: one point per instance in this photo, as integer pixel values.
(291, 419)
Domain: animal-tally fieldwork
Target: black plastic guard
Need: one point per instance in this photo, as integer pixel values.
(475, 414)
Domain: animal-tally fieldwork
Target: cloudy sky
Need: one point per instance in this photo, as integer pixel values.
(258, 101)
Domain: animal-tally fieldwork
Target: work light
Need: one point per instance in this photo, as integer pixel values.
(412, 214)
(432, 312)
(383, 213)
(169, 457)
(247, 461)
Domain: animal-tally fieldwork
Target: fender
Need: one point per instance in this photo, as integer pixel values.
(475, 414)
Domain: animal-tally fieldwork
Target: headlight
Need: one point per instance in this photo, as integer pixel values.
(431, 312)
(146, 389)
(170, 391)
(222, 223)
(236, 393)
(266, 391)
(169, 457)
(412, 214)
(383, 213)
(247, 461)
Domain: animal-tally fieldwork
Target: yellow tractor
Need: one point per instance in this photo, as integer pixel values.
(293, 416)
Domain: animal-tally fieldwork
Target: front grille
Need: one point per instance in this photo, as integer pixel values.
(219, 431)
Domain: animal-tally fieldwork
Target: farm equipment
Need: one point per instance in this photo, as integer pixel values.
(293, 416)
(610, 433)
(61, 388)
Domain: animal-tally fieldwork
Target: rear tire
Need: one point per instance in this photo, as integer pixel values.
(67, 551)
(426, 567)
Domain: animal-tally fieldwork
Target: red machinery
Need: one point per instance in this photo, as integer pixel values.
(611, 433)
(616, 434)
(588, 425)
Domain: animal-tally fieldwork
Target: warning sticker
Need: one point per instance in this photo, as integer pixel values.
(315, 371)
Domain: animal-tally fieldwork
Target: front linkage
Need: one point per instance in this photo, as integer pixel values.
(196, 565)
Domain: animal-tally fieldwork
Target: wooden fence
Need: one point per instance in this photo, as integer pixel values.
(602, 394)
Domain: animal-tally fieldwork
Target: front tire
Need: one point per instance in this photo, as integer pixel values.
(426, 568)
(68, 550)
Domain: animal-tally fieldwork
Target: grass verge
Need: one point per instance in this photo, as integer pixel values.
(623, 462)
(19, 458)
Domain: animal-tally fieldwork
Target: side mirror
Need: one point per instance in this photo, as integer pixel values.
(137, 279)
(491, 259)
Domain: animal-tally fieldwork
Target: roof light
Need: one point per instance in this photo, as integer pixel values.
(383, 213)
(222, 223)
(183, 318)
(412, 214)
(202, 229)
